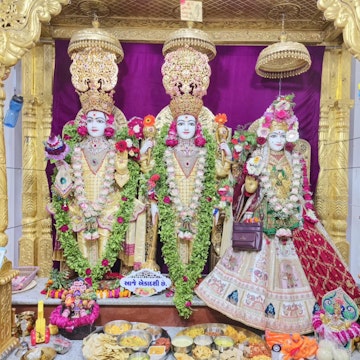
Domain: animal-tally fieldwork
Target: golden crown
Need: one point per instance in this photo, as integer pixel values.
(99, 100)
(276, 125)
(185, 104)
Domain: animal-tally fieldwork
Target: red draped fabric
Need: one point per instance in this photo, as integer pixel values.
(324, 269)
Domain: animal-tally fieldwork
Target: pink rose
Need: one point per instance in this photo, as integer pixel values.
(88, 271)
(261, 140)
(109, 132)
(120, 220)
(289, 146)
(82, 130)
(281, 114)
(64, 228)
(105, 263)
(167, 200)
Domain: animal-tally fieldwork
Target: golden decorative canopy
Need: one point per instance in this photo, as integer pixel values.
(283, 59)
(195, 38)
(96, 37)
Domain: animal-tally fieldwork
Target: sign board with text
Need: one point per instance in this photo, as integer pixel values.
(191, 10)
(145, 282)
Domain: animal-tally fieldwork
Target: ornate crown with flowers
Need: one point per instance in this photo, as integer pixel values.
(279, 116)
(99, 100)
(185, 104)
(186, 77)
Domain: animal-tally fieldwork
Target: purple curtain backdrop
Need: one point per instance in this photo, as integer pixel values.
(235, 88)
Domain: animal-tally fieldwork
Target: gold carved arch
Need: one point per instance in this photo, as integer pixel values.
(20, 27)
(346, 16)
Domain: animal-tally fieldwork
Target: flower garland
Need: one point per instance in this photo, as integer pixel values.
(70, 324)
(74, 258)
(92, 210)
(310, 214)
(284, 208)
(185, 214)
(185, 276)
(340, 337)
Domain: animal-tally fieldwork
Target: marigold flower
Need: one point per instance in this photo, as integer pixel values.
(221, 118)
(149, 120)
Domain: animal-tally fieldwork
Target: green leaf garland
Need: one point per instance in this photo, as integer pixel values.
(185, 277)
(74, 258)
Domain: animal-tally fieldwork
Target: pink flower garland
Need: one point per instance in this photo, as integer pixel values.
(307, 195)
(341, 337)
(70, 324)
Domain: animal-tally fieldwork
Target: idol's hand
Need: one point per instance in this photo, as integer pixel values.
(154, 212)
(226, 149)
(148, 144)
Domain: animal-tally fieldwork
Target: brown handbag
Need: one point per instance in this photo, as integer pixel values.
(247, 236)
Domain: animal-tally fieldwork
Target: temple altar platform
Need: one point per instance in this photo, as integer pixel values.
(156, 309)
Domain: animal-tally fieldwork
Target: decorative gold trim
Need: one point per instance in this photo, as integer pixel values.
(223, 36)
(345, 14)
(23, 28)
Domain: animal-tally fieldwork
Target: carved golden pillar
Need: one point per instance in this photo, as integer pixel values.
(44, 229)
(23, 26)
(37, 75)
(27, 241)
(7, 343)
(335, 104)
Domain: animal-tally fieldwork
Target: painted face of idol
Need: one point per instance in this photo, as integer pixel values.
(96, 123)
(186, 126)
(277, 140)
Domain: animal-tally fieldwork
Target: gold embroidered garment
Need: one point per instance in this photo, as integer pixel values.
(185, 175)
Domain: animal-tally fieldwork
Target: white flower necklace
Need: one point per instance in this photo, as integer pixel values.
(284, 208)
(185, 213)
(92, 210)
